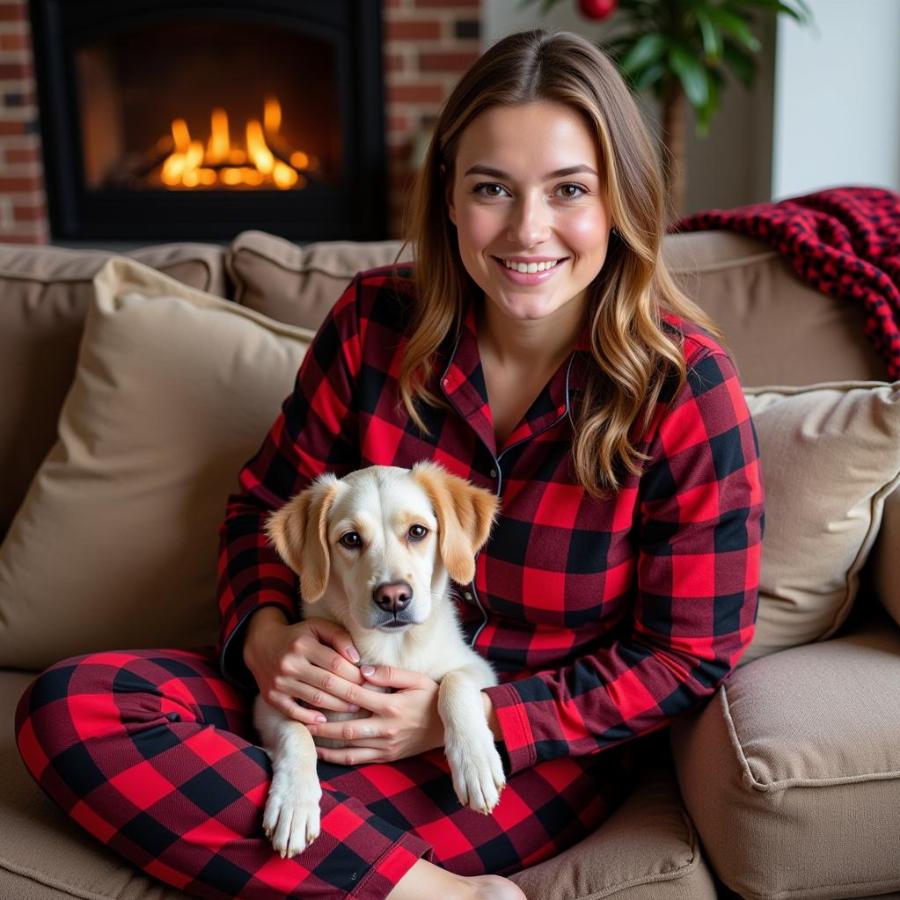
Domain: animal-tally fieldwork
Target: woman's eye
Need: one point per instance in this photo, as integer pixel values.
(351, 540)
(572, 195)
(417, 532)
(485, 189)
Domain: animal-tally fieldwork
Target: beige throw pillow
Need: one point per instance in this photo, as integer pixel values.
(115, 544)
(830, 456)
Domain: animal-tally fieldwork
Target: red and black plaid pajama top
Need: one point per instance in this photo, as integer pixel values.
(603, 619)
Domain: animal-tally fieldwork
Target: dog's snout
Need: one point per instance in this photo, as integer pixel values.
(393, 597)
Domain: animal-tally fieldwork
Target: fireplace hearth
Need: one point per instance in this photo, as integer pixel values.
(193, 120)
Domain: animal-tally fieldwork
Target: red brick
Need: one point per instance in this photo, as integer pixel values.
(412, 31)
(29, 213)
(35, 237)
(447, 62)
(12, 127)
(14, 41)
(395, 123)
(394, 62)
(20, 184)
(22, 155)
(9, 71)
(12, 13)
(415, 93)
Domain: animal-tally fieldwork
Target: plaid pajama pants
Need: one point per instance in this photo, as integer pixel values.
(153, 753)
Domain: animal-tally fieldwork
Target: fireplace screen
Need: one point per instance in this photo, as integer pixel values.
(194, 120)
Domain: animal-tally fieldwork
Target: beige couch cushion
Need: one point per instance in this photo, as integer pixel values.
(830, 456)
(792, 772)
(116, 542)
(300, 284)
(44, 296)
(780, 330)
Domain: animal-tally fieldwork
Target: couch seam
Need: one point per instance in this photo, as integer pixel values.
(81, 892)
(782, 784)
(35, 279)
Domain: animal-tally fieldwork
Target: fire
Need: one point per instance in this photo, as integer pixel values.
(263, 160)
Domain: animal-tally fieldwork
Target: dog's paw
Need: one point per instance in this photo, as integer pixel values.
(477, 772)
(291, 819)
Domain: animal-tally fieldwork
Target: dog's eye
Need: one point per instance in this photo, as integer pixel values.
(351, 540)
(417, 532)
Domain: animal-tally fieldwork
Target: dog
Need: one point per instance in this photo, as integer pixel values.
(375, 551)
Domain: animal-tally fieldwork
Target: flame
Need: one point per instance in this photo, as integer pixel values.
(263, 159)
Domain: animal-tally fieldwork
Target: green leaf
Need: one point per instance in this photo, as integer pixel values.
(741, 63)
(691, 74)
(712, 43)
(802, 13)
(650, 76)
(646, 50)
(735, 26)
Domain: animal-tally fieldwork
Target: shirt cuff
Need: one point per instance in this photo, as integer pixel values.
(518, 740)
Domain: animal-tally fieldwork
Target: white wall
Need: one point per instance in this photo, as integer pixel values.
(837, 98)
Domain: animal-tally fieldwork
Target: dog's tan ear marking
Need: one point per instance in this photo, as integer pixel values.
(299, 531)
(465, 514)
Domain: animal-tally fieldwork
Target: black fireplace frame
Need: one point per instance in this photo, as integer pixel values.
(355, 209)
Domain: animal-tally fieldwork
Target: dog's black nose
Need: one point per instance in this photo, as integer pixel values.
(393, 597)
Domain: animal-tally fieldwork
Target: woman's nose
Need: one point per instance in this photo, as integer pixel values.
(530, 222)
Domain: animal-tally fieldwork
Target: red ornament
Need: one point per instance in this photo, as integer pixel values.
(597, 9)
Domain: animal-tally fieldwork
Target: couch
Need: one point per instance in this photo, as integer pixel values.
(785, 784)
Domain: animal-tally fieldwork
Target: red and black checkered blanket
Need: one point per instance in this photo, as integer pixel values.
(845, 242)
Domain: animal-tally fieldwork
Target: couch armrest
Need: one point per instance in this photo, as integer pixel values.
(886, 557)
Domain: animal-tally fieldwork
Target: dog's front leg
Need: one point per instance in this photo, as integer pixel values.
(291, 819)
(475, 764)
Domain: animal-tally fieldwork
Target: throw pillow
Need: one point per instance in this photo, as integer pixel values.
(115, 544)
(830, 456)
(300, 284)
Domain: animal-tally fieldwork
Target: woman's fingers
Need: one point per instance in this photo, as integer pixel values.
(394, 677)
(351, 756)
(339, 638)
(286, 704)
(319, 697)
(372, 730)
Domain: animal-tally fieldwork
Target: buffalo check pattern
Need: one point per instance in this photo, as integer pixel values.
(153, 753)
(604, 619)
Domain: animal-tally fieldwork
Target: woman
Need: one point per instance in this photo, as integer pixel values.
(538, 348)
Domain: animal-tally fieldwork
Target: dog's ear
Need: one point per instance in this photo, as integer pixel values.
(465, 514)
(299, 531)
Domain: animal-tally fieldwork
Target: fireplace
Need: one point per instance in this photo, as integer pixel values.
(164, 119)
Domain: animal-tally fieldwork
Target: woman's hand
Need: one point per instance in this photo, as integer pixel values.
(402, 724)
(312, 661)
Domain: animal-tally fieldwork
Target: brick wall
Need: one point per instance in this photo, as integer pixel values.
(23, 211)
(427, 45)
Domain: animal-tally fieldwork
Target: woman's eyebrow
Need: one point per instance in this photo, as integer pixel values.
(559, 173)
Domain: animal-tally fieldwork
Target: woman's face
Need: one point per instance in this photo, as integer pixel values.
(527, 189)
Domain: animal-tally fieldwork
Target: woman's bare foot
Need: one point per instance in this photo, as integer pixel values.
(425, 879)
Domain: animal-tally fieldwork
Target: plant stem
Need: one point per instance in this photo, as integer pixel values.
(674, 167)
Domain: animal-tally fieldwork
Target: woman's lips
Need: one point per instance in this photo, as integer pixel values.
(529, 277)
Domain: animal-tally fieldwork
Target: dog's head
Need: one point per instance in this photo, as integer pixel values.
(382, 540)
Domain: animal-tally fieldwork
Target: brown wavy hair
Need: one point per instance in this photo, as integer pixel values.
(632, 351)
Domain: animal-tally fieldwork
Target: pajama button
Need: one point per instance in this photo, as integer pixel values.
(467, 595)
(493, 473)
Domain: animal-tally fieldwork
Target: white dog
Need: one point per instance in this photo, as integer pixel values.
(374, 552)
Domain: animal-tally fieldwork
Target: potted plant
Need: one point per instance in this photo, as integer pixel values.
(681, 50)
